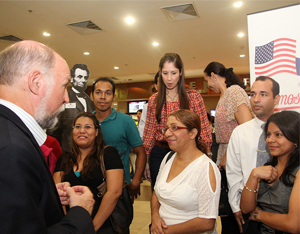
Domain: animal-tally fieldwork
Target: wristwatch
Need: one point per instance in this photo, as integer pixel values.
(255, 214)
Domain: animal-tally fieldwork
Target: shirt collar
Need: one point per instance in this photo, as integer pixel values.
(38, 133)
(258, 122)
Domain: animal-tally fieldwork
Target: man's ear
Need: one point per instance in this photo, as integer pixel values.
(277, 99)
(91, 96)
(114, 97)
(36, 82)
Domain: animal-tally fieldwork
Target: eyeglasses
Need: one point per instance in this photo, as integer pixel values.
(172, 128)
(85, 127)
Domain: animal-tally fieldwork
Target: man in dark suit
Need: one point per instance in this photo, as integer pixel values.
(33, 81)
(79, 101)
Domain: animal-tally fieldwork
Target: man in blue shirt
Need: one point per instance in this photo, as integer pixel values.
(119, 130)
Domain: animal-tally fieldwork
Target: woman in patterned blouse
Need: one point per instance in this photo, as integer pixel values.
(172, 95)
(233, 109)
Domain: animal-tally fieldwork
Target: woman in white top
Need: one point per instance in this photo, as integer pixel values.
(187, 191)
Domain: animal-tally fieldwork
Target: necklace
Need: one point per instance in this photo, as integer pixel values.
(173, 97)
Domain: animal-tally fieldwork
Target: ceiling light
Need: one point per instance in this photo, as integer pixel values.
(242, 55)
(86, 53)
(155, 43)
(240, 35)
(129, 20)
(46, 34)
(238, 4)
(116, 68)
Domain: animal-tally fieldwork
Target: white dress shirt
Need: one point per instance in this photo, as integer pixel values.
(143, 120)
(37, 132)
(241, 158)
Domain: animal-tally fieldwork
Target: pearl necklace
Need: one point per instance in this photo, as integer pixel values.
(173, 97)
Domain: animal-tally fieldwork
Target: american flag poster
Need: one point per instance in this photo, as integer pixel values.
(274, 51)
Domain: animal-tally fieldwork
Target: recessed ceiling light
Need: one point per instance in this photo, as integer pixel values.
(129, 20)
(238, 4)
(242, 55)
(116, 68)
(155, 43)
(46, 34)
(240, 35)
(86, 53)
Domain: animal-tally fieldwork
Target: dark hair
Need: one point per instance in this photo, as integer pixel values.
(191, 120)
(94, 157)
(105, 79)
(275, 86)
(156, 78)
(182, 94)
(289, 124)
(140, 110)
(219, 69)
(80, 66)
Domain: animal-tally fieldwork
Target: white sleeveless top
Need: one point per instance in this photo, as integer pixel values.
(188, 195)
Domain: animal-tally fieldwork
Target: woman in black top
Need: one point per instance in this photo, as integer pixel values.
(81, 166)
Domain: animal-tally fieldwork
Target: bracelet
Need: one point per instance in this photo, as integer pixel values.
(255, 214)
(253, 191)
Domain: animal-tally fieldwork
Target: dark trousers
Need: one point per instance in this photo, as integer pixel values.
(156, 156)
(230, 225)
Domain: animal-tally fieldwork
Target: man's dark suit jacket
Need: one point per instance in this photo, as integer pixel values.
(62, 131)
(29, 202)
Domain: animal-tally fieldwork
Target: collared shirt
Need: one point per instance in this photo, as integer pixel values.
(241, 158)
(37, 132)
(81, 99)
(119, 130)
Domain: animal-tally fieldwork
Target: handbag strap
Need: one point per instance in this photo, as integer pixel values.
(102, 167)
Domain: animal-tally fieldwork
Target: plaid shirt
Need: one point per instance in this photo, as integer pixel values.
(153, 130)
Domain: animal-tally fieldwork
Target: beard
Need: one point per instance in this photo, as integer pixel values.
(47, 121)
(44, 119)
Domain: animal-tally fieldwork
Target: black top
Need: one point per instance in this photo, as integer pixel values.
(112, 160)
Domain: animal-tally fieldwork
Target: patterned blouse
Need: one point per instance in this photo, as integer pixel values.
(225, 121)
(153, 130)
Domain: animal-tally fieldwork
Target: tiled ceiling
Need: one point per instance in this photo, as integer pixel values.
(211, 36)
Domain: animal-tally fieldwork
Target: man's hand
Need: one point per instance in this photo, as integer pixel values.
(240, 220)
(81, 196)
(147, 173)
(61, 189)
(134, 189)
(222, 164)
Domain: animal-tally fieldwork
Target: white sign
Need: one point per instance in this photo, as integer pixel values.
(274, 49)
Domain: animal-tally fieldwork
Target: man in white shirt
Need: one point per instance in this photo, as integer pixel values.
(243, 143)
(33, 81)
(142, 120)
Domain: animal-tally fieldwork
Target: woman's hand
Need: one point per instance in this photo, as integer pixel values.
(251, 217)
(158, 225)
(267, 173)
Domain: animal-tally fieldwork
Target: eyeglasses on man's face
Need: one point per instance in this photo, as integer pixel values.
(85, 127)
(172, 128)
